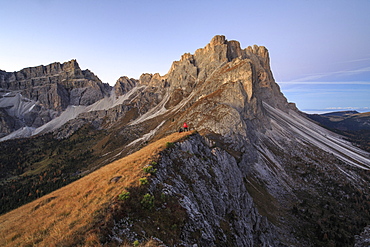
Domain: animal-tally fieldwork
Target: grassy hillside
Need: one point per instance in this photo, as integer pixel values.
(69, 215)
(33, 167)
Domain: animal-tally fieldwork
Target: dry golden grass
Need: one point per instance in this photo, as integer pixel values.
(66, 214)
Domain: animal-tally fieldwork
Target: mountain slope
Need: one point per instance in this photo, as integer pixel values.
(68, 215)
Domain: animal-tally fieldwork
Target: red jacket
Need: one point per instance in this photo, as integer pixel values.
(185, 125)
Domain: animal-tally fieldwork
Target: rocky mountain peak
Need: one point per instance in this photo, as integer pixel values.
(233, 48)
(42, 70)
(218, 40)
(70, 65)
(123, 85)
(48, 90)
(56, 85)
(243, 75)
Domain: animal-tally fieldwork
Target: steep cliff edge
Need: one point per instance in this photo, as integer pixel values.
(220, 211)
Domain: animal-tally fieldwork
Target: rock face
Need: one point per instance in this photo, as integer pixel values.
(7, 123)
(49, 89)
(219, 208)
(123, 85)
(56, 85)
(261, 145)
(223, 61)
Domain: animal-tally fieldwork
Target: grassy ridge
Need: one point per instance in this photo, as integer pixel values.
(67, 216)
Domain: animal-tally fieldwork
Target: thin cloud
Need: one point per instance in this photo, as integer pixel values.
(347, 108)
(354, 60)
(313, 77)
(305, 82)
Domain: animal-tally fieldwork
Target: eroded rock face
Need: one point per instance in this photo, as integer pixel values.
(224, 61)
(56, 85)
(34, 96)
(7, 123)
(217, 85)
(123, 85)
(219, 209)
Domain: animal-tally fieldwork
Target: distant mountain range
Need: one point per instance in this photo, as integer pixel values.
(352, 124)
(344, 120)
(96, 165)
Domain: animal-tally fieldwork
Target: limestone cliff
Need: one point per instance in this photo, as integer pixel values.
(220, 211)
(123, 85)
(49, 90)
(56, 85)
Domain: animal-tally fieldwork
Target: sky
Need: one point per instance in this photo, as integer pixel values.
(319, 49)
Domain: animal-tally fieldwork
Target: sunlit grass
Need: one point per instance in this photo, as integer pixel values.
(67, 214)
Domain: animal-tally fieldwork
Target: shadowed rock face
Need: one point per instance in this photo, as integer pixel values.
(49, 90)
(56, 85)
(212, 188)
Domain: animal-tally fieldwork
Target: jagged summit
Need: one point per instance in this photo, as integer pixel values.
(33, 96)
(56, 85)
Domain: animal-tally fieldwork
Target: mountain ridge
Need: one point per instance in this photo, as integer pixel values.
(33, 96)
(19, 227)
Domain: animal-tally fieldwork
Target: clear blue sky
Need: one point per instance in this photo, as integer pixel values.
(319, 49)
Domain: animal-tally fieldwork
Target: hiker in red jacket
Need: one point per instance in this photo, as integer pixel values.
(185, 127)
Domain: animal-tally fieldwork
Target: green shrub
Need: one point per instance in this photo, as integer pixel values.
(148, 201)
(143, 181)
(124, 195)
(150, 169)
